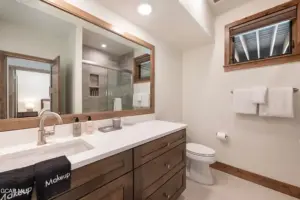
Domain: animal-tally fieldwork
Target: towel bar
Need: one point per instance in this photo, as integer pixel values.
(295, 90)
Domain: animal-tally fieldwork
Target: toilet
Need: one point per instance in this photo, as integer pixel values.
(199, 159)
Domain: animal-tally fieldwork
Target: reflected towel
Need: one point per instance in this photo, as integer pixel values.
(117, 104)
(137, 100)
(145, 100)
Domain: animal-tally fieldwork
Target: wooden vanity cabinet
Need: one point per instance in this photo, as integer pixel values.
(119, 189)
(90, 178)
(159, 163)
(155, 170)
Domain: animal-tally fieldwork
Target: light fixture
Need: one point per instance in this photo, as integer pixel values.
(103, 45)
(145, 9)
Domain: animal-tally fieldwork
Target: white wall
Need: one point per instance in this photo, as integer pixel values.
(25, 40)
(202, 13)
(267, 146)
(168, 79)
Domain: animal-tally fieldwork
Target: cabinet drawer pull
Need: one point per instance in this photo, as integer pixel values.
(167, 195)
(168, 166)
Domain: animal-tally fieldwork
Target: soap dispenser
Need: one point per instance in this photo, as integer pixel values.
(89, 126)
(76, 127)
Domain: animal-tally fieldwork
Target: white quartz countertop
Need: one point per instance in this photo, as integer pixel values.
(108, 144)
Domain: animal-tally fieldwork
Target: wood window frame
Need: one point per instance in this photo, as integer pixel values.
(137, 69)
(259, 20)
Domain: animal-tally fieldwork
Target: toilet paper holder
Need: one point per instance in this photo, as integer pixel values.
(224, 135)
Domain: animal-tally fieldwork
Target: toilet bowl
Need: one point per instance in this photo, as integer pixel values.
(199, 159)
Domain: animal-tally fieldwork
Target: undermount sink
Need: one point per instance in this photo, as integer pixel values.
(32, 156)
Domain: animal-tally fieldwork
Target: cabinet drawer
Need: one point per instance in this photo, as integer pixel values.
(151, 150)
(119, 189)
(95, 175)
(155, 170)
(172, 189)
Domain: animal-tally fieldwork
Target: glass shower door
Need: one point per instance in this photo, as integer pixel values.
(120, 89)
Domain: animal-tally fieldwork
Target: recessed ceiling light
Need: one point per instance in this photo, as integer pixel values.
(103, 45)
(145, 9)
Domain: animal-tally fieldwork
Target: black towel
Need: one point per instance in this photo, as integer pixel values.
(52, 177)
(17, 184)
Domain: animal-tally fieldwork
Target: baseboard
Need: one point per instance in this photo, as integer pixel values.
(285, 188)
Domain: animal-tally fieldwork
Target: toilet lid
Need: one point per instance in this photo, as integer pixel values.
(199, 149)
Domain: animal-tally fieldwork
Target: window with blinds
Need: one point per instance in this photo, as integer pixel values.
(266, 42)
(266, 38)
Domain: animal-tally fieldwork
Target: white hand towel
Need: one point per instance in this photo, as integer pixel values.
(117, 104)
(280, 103)
(259, 95)
(242, 103)
(137, 100)
(145, 100)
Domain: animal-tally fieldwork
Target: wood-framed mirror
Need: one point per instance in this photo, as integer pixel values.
(56, 56)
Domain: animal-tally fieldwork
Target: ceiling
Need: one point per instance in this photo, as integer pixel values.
(17, 13)
(95, 40)
(223, 6)
(169, 21)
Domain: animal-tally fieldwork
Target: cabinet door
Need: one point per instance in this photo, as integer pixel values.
(119, 189)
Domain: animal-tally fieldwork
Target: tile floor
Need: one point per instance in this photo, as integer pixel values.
(230, 188)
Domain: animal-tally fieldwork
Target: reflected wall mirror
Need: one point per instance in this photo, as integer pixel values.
(57, 57)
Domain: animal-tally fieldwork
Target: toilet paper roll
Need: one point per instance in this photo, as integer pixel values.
(222, 136)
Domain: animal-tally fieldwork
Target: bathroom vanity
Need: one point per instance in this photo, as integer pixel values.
(142, 161)
(154, 170)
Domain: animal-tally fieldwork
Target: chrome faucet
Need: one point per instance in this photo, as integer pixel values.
(43, 111)
(42, 134)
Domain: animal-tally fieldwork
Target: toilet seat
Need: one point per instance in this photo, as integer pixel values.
(200, 150)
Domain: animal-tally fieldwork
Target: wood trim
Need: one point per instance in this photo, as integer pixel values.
(44, 100)
(227, 46)
(26, 57)
(142, 81)
(278, 186)
(287, 14)
(33, 122)
(152, 81)
(3, 88)
(137, 70)
(262, 63)
(297, 34)
(31, 69)
(248, 21)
